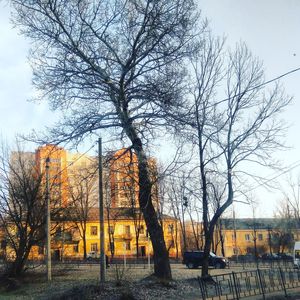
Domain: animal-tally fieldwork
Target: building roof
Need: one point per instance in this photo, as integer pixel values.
(122, 213)
(259, 223)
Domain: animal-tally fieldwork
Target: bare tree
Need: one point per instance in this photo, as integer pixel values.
(112, 65)
(286, 217)
(290, 204)
(83, 194)
(22, 206)
(231, 133)
(178, 203)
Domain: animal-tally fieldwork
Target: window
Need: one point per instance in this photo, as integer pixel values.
(75, 248)
(127, 229)
(94, 230)
(247, 237)
(110, 230)
(58, 231)
(170, 228)
(127, 245)
(260, 237)
(141, 229)
(94, 247)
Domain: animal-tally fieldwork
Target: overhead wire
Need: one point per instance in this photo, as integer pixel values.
(275, 177)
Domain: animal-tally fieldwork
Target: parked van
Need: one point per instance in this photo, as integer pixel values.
(296, 255)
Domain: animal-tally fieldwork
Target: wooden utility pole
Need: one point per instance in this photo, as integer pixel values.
(101, 213)
(48, 223)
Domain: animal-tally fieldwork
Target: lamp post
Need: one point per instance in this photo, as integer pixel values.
(149, 259)
(101, 213)
(48, 222)
(183, 207)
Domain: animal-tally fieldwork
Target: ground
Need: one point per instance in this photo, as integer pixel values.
(82, 282)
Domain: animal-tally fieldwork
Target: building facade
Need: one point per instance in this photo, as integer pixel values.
(74, 189)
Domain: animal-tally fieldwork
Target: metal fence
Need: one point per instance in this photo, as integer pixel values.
(237, 285)
(246, 264)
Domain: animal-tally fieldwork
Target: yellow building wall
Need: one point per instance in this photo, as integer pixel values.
(124, 241)
(244, 241)
(122, 237)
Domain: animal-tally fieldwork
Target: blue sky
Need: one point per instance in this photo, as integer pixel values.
(271, 29)
(18, 115)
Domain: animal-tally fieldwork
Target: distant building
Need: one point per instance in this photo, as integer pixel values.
(73, 181)
(263, 235)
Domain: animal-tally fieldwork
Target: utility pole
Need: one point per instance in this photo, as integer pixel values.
(101, 213)
(236, 252)
(48, 223)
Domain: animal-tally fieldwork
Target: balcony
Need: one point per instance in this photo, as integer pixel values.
(127, 236)
(123, 236)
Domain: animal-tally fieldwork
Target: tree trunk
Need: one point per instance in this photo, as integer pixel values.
(84, 244)
(221, 239)
(161, 256)
(207, 246)
(17, 267)
(137, 245)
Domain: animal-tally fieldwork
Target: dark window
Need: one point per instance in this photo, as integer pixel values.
(94, 230)
(142, 229)
(127, 229)
(94, 247)
(170, 228)
(127, 245)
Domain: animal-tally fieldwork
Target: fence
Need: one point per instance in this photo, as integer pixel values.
(237, 285)
(246, 264)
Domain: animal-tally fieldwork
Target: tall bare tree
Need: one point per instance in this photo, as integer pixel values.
(241, 129)
(178, 203)
(287, 223)
(22, 206)
(84, 196)
(290, 205)
(112, 64)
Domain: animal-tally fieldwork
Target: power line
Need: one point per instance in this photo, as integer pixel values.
(273, 178)
(262, 84)
(74, 161)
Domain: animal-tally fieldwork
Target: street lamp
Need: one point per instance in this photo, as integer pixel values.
(184, 206)
(48, 222)
(101, 213)
(185, 201)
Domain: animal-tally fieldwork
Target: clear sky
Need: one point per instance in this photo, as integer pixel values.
(18, 115)
(271, 29)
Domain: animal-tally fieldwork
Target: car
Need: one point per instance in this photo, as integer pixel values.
(92, 255)
(285, 256)
(194, 259)
(270, 256)
(248, 258)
